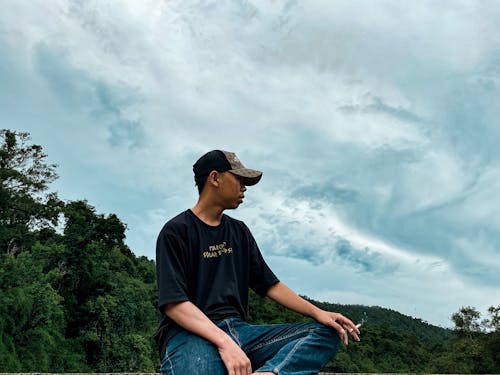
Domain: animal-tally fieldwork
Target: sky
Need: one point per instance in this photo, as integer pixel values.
(375, 124)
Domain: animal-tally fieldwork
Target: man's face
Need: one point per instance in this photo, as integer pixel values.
(232, 190)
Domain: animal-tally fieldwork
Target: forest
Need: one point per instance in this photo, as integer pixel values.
(75, 298)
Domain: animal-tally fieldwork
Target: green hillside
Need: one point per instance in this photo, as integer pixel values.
(390, 341)
(77, 299)
(380, 317)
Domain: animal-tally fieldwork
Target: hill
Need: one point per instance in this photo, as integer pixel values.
(380, 317)
(390, 341)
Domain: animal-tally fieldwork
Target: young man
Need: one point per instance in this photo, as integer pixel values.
(206, 261)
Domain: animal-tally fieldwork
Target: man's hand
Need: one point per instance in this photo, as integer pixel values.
(288, 298)
(235, 359)
(340, 323)
(193, 319)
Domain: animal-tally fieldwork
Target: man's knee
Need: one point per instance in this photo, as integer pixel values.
(328, 337)
(191, 354)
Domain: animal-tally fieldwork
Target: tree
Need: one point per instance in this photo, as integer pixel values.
(492, 340)
(494, 322)
(467, 320)
(24, 202)
(31, 319)
(109, 294)
(475, 347)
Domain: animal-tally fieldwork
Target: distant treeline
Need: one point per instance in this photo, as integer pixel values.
(75, 298)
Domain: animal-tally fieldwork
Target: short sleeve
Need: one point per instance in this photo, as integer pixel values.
(171, 268)
(261, 276)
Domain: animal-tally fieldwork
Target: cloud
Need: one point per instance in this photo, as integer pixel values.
(102, 103)
(328, 192)
(375, 125)
(426, 294)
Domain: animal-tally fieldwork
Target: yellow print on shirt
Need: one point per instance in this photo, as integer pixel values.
(215, 251)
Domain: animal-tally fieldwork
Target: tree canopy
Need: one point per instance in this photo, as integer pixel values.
(25, 204)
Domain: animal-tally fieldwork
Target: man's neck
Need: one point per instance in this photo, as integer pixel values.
(209, 214)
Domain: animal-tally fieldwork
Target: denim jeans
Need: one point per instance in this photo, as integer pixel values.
(299, 349)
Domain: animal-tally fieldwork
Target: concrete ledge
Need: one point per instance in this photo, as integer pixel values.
(152, 373)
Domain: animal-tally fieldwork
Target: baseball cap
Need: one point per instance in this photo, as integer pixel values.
(225, 161)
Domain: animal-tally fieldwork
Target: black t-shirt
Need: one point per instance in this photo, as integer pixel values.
(210, 266)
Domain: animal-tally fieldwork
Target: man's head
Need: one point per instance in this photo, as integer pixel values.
(223, 161)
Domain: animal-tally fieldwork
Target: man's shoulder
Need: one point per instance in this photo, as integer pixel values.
(239, 224)
(176, 224)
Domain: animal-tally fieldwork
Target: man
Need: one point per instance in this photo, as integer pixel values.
(206, 261)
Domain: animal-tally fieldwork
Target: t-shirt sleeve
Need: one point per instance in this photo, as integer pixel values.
(170, 269)
(261, 276)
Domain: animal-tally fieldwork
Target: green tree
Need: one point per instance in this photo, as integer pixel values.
(467, 321)
(75, 301)
(492, 339)
(25, 204)
(109, 294)
(32, 318)
(474, 348)
(493, 323)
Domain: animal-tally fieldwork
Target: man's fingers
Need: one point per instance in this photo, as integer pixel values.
(341, 331)
(240, 370)
(349, 325)
(236, 362)
(352, 330)
(353, 333)
(243, 368)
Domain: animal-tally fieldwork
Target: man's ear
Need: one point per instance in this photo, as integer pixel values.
(213, 178)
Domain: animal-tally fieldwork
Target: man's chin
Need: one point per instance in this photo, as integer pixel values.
(236, 205)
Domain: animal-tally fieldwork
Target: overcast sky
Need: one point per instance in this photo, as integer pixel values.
(376, 124)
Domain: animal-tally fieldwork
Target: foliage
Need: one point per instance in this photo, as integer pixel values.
(390, 341)
(475, 345)
(74, 301)
(76, 298)
(467, 320)
(24, 202)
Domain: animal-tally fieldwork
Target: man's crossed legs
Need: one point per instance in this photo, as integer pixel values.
(284, 349)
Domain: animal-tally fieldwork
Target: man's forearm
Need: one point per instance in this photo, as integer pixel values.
(286, 297)
(191, 318)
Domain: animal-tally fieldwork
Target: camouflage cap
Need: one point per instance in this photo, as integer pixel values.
(225, 161)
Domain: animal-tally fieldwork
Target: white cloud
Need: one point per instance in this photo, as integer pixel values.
(319, 229)
(432, 295)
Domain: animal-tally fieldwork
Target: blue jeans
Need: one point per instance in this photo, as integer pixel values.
(299, 349)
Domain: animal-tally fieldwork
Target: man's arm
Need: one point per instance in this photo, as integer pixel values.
(286, 297)
(189, 317)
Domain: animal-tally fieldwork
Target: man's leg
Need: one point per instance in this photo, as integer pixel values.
(299, 349)
(188, 353)
(303, 355)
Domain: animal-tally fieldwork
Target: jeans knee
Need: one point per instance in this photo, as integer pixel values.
(194, 364)
(190, 354)
(329, 337)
